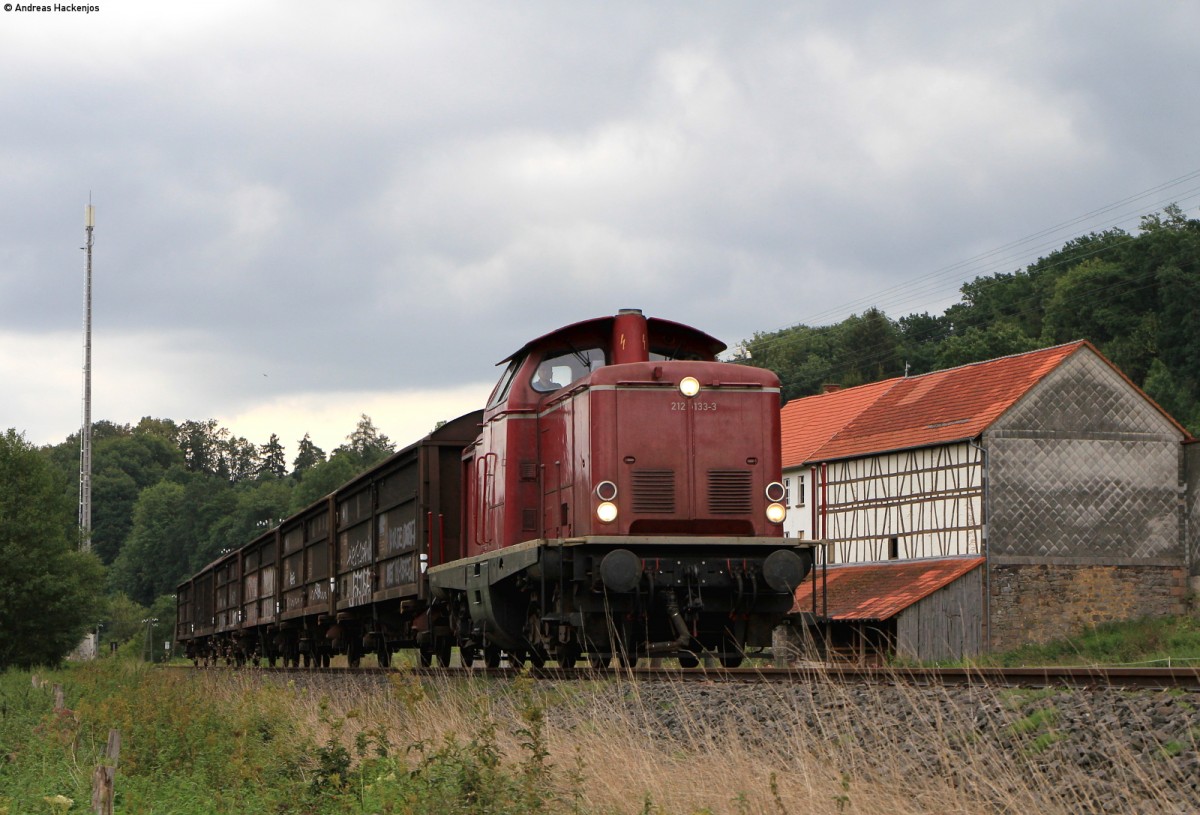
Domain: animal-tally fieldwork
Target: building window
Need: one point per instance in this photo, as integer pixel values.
(800, 491)
(893, 548)
(787, 491)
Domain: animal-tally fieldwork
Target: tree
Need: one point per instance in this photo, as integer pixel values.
(979, 344)
(258, 506)
(920, 336)
(323, 479)
(121, 619)
(238, 459)
(200, 443)
(802, 357)
(868, 349)
(272, 460)
(308, 456)
(156, 555)
(50, 591)
(367, 444)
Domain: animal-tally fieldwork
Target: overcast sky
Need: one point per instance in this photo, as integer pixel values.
(308, 211)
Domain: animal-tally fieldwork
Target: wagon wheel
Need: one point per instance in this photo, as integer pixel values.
(442, 651)
(733, 646)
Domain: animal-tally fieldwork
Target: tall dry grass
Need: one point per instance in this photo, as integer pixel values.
(630, 747)
(249, 742)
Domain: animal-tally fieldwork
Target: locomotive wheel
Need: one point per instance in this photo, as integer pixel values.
(731, 661)
(442, 652)
(733, 646)
(688, 659)
(425, 657)
(384, 657)
(491, 656)
(466, 654)
(599, 661)
(568, 654)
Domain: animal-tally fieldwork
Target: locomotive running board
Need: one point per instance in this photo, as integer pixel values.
(490, 568)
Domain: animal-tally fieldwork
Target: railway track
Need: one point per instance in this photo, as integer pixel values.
(1183, 678)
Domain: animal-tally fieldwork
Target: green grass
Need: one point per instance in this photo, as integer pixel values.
(1153, 640)
(191, 745)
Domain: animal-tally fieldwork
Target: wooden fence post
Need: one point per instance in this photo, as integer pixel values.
(105, 775)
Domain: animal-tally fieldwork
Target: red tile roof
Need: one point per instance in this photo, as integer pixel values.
(879, 591)
(806, 429)
(906, 412)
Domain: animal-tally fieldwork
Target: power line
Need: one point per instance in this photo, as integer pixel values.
(922, 288)
(1109, 292)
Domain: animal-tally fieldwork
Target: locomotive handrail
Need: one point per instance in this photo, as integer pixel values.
(441, 537)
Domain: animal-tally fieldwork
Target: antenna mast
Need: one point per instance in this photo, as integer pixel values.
(85, 432)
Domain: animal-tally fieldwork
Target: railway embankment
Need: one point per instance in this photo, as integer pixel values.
(1102, 750)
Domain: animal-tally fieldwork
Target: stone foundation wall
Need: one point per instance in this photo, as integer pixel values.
(1037, 602)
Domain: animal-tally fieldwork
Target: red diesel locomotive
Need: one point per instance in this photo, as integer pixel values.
(619, 495)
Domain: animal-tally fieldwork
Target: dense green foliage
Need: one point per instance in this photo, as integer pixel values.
(50, 591)
(1132, 296)
(170, 498)
(167, 499)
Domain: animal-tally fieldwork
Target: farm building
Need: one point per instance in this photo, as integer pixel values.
(993, 504)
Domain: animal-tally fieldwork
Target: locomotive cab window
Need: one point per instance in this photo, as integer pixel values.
(500, 392)
(561, 368)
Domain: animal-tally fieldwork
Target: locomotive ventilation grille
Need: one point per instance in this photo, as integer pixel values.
(654, 491)
(729, 492)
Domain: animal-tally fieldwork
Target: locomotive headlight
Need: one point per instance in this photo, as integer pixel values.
(776, 513)
(689, 386)
(606, 512)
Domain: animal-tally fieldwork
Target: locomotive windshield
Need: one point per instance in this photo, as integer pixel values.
(561, 368)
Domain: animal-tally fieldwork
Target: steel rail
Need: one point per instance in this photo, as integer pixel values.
(1097, 676)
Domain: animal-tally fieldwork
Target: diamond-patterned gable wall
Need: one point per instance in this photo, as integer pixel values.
(1192, 461)
(1084, 466)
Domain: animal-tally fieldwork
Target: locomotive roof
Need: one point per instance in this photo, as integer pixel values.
(656, 327)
